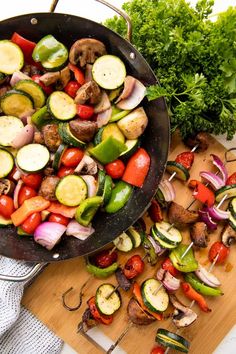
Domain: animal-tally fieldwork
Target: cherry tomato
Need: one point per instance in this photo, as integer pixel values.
(157, 350)
(65, 171)
(133, 267)
(105, 319)
(104, 259)
(115, 169)
(72, 157)
(84, 111)
(185, 159)
(218, 248)
(6, 206)
(26, 193)
(231, 179)
(168, 265)
(60, 219)
(31, 223)
(32, 180)
(71, 88)
(78, 73)
(47, 89)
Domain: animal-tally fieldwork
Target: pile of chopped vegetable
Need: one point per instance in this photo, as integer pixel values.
(193, 57)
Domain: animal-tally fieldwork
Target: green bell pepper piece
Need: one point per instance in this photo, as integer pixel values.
(21, 232)
(119, 197)
(149, 251)
(107, 190)
(87, 209)
(186, 264)
(117, 114)
(101, 272)
(202, 288)
(108, 150)
(41, 117)
(49, 50)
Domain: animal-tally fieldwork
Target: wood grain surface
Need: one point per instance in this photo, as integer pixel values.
(43, 297)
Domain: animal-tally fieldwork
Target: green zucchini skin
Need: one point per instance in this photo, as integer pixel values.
(34, 90)
(16, 103)
(7, 162)
(181, 172)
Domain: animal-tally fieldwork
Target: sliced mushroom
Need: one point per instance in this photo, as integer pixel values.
(86, 51)
(83, 130)
(123, 282)
(183, 316)
(137, 315)
(88, 73)
(38, 138)
(87, 166)
(50, 78)
(88, 321)
(64, 78)
(180, 216)
(199, 234)
(51, 136)
(88, 92)
(48, 187)
(6, 186)
(228, 236)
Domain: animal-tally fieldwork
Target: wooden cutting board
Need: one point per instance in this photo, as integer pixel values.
(43, 297)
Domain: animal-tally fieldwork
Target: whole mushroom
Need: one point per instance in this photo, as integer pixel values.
(86, 51)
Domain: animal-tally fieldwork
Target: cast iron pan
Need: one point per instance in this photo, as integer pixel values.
(67, 29)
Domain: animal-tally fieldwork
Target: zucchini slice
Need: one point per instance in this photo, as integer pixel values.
(71, 190)
(9, 128)
(137, 236)
(32, 157)
(7, 163)
(232, 207)
(172, 237)
(109, 72)
(124, 243)
(107, 190)
(112, 129)
(68, 138)
(34, 90)
(230, 191)
(132, 146)
(61, 105)
(16, 103)
(156, 301)
(172, 340)
(181, 172)
(12, 57)
(5, 222)
(232, 222)
(58, 156)
(106, 304)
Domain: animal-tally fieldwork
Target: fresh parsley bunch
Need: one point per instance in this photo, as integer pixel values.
(193, 57)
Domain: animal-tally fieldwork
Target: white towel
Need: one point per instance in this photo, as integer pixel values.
(20, 331)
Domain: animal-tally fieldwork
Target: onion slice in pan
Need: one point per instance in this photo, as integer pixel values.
(48, 234)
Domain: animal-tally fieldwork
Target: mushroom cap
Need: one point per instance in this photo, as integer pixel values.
(86, 51)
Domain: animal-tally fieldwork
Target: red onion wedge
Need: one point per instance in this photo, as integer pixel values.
(167, 190)
(169, 282)
(79, 231)
(158, 249)
(48, 234)
(218, 214)
(25, 136)
(18, 76)
(91, 185)
(104, 117)
(221, 167)
(128, 88)
(207, 277)
(103, 105)
(134, 98)
(16, 193)
(207, 219)
(215, 181)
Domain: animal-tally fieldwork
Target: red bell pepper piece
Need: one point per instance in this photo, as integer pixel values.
(58, 208)
(137, 168)
(168, 265)
(79, 75)
(202, 193)
(26, 46)
(185, 159)
(231, 179)
(105, 319)
(194, 295)
(155, 211)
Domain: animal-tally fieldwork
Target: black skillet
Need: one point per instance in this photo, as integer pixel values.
(67, 29)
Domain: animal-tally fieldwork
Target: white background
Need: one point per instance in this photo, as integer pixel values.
(97, 12)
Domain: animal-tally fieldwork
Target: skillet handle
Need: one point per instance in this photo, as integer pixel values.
(25, 277)
(119, 11)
